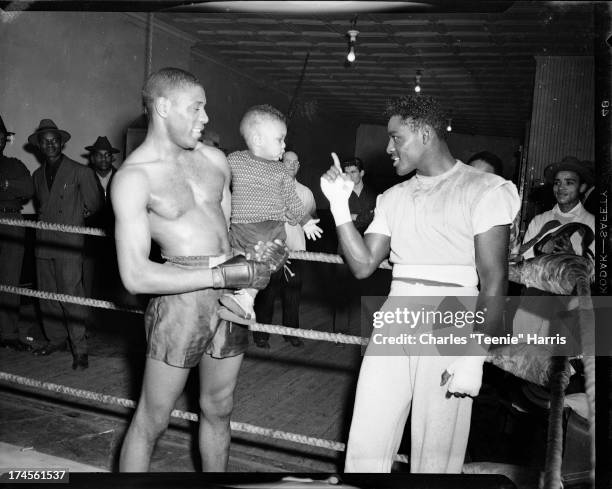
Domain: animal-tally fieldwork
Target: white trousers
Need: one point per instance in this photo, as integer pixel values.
(389, 387)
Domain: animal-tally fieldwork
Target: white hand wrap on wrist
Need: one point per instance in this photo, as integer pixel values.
(341, 213)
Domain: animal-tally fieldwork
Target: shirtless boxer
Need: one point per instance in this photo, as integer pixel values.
(175, 191)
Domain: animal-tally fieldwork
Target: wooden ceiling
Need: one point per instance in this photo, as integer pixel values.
(480, 64)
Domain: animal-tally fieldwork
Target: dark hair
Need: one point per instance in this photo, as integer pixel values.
(352, 162)
(419, 110)
(492, 159)
(256, 114)
(162, 81)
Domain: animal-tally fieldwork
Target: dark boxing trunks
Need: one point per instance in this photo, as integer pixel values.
(244, 236)
(182, 327)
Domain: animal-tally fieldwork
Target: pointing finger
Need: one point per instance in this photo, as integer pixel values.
(336, 162)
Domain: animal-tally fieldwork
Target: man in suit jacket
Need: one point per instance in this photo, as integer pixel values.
(66, 192)
(100, 272)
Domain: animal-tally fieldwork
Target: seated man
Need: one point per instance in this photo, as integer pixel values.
(570, 179)
(565, 229)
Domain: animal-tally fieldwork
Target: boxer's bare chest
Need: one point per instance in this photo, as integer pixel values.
(189, 184)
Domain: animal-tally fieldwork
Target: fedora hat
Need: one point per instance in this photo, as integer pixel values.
(47, 125)
(3, 128)
(102, 143)
(570, 163)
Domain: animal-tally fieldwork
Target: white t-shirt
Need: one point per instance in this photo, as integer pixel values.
(296, 241)
(432, 221)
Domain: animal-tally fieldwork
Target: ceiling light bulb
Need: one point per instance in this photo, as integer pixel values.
(417, 81)
(351, 55)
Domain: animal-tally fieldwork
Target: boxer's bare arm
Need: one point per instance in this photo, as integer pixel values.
(491, 252)
(362, 254)
(226, 201)
(491, 249)
(130, 197)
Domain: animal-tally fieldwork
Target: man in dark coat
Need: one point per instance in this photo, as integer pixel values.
(66, 193)
(15, 190)
(100, 269)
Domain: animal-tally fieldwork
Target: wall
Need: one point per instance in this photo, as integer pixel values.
(83, 70)
(562, 121)
(229, 94)
(314, 142)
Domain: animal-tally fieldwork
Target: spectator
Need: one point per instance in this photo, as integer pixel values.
(361, 204)
(567, 228)
(362, 200)
(15, 189)
(570, 179)
(66, 193)
(100, 273)
(488, 162)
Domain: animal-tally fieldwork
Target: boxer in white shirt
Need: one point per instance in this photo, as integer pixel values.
(446, 229)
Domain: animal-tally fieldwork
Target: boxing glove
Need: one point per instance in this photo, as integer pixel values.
(240, 273)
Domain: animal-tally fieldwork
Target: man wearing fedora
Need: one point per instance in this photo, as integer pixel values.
(66, 192)
(100, 265)
(101, 158)
(15, 190)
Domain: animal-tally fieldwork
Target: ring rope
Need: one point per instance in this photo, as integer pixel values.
(72, 299)
(52, 226)
(310, 334)
(177, 413)
(264, 328)
(66, 228)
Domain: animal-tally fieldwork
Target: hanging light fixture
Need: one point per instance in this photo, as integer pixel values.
(417, 81)
(449, 126)
(352, 35)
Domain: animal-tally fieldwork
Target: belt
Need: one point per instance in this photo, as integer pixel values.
(200, 260)
(10, 209)
(421, 281)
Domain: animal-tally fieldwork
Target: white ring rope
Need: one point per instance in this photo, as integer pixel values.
(309, 334)
(177, 413)
(65, 228)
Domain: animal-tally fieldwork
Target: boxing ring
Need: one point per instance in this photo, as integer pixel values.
(559, 274)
